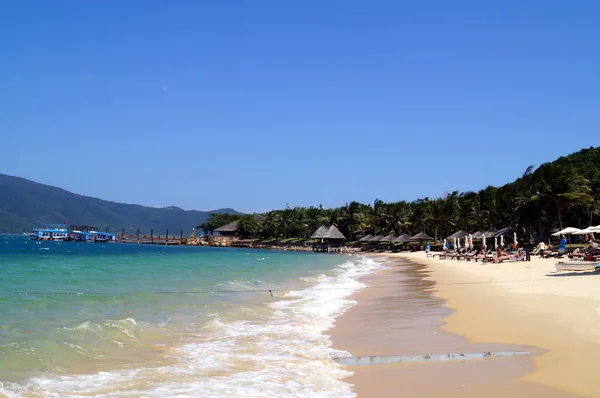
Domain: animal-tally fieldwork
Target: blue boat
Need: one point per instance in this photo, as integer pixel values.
(56, 234)
(92, 236)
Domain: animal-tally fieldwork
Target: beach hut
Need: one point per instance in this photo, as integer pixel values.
(319, 233)
(333, 234)
(227, 229)
(330, 237)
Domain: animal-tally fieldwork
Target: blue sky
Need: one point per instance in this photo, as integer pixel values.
(255, 104)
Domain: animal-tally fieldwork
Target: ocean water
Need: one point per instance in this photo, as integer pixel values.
(81, 319)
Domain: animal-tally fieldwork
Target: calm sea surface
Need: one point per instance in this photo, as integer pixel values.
(80, 319)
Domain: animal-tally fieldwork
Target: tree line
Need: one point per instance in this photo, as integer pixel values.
(562, 193)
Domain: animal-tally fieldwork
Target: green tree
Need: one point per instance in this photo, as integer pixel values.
(560, 186)
(350, 219)
(248, 227)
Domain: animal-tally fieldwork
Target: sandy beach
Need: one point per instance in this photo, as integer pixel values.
(446, 306)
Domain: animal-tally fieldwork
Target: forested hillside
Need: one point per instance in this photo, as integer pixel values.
(25, 204)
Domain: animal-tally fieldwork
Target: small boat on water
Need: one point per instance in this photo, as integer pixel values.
(578, 266)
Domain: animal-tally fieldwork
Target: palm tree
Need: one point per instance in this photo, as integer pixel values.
(559, 186)
(350, 218)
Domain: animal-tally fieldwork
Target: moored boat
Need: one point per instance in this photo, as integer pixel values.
(92, 236)
(54, 234)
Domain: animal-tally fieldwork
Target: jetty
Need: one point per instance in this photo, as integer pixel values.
(151, 239)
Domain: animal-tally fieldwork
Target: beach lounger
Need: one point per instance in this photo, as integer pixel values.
(521, 257)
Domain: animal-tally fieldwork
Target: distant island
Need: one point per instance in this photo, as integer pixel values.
(25, 204)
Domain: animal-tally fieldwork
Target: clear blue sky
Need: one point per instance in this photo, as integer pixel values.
(255, 104)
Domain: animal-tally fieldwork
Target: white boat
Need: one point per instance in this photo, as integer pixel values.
(578, 266)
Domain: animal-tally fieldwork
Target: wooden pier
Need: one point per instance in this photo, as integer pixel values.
(151, 239)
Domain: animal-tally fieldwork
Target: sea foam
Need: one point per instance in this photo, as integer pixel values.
(283, 354)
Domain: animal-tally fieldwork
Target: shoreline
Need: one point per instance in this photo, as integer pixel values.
(517, 305)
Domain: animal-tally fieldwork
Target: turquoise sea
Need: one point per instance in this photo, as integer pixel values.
(81, 319)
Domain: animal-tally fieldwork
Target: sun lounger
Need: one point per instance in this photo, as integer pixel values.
(521, 257)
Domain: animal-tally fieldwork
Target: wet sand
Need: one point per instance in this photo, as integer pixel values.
(404, 312)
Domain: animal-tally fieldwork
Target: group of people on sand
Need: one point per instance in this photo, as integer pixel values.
(589, 253)
(500, 255)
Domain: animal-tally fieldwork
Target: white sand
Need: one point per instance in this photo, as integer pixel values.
(527, 303)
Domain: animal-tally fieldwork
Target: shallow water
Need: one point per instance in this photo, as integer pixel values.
(130, 320)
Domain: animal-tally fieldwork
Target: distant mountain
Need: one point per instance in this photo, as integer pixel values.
(25, 204)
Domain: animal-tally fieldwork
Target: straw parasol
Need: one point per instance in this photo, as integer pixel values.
(376, 238)
(402, 238)
(421, 236)
(366, 238)
(389, 238)
(459, 234)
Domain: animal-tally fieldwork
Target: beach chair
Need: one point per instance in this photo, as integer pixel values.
(521, 257)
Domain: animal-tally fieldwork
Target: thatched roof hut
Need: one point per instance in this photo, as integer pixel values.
(227, 229)
(365, 238)
(376, 238)
(319, 233)
(421, 236)
(334, 234)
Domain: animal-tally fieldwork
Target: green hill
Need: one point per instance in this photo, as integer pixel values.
(25, 204)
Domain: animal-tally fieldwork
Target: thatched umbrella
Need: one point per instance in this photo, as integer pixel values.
(458, 234)
(319, 233)
(377, 238)
(389, 238)
(402, 238)
(366, 238)
(421, 236)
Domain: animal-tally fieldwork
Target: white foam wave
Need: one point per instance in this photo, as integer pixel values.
(286, 355)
